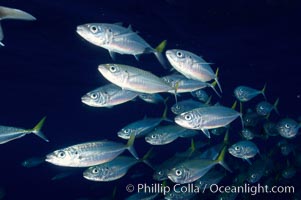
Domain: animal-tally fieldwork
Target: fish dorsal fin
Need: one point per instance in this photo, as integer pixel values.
(119, 23)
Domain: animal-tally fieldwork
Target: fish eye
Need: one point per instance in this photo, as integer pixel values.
(113, 68)
(126, 131)
(61, 154)
(177, 107)
(178, 172)
(93, 29)
(95, 171)
(179, 54)
(93, 95)
(286, 125)
(237, 148)
(160, 172)
(154, 136)
(187, 117)
(253, 176)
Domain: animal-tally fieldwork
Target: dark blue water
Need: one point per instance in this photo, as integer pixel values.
(46, 67)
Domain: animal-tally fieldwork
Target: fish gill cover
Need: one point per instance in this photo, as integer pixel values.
(47, 67)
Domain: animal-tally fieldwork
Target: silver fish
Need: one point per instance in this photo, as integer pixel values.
(186, 105)
(264, 108)
(134, 79)
(167, 134)
(90, 153)
(244, 149)
(191, 170)
(118, 39)
(287, 127)
(110, 171)
(108, 96)
(257, 170)
(205, 118)
(184, 84)
(12, 13)
(8, 133)
(245, 93)
(201, 95)
(192, 66)
(151, 98)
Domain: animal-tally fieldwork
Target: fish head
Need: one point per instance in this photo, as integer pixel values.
(178, 174)
(93, 33)
(114, 73)
(95, 99)
(153, 138)
(188, 120)
(287, 128)
(177, 57)
(177, 109)
(64, 157)
(240, 93)
(236, 150)
(253, 177)
(160, 175)
(125, 133)
(97, 173)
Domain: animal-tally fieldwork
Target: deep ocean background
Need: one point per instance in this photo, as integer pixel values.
(45, 68)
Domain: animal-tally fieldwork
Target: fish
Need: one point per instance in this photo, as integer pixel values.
(246, 93)
(134, 79)
(205, 118)
(151, 98)
(166, 134)
(201, 95)
(192, 66)
(270, 128)
(186, 105)
(108, 96)
(119, 39)
(141, 127)
(8, 133)
(113, 170)
(287, 127)
(185, 85)
(264, 108)
(247, 133)
(244, 149)
(191, 170)
(12, 13)
(90, 153)
(110, 171)
(257, 170)
(33, 162)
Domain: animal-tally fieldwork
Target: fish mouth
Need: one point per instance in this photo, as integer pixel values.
(49, 158)
(85, 99)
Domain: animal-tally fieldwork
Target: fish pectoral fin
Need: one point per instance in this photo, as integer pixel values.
(206, 132)
(250, 163)
(113, 55)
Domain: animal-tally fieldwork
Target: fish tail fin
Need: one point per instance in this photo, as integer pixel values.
(226, 138)
(130, 146)
(158, 53)
(37, 129)
(216, 79)
(164, 114)
(145, 158)
(221, 159)
(263, 91)
(212, 85)
(12, 13)
(275, 106)
(240, 112)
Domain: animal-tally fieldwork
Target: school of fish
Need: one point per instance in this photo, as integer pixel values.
(196, 118)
